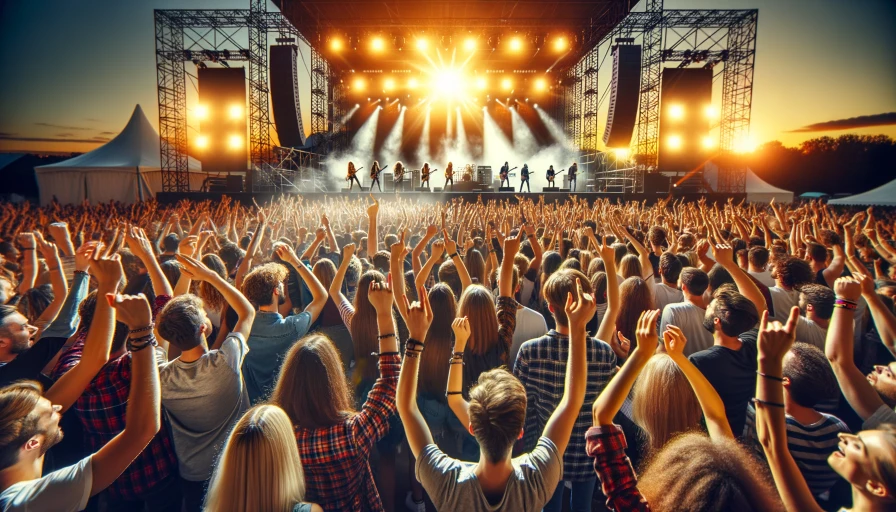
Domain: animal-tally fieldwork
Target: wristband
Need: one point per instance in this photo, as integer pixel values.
(76, 272)
(841, 299)
(770, 377)
(136, 345)
(141, 329)
(412, 344)
(385, 354)
(452, 256)
(384, 336)
(412, 353)
(457, 355)
(449, 393)
(770, 404)
(844, 304)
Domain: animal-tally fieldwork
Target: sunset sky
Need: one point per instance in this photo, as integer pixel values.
(74, 70)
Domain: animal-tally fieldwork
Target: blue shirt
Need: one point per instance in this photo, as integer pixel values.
(270, 339)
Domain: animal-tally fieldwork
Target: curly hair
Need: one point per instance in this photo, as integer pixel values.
(259, 285)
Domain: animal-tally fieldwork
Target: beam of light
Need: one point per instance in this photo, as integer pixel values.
(348, 115)
(463, 146)
(744, 144)
(496, 147)
(553, 127)
(201, 111)
(359, 151)
(621, 153)
(516, 44)
(234, 142)
(359, 84)
(235, 111)
(422, 44)
(423, 153)
(506, 84)
(709, 142)
(524, 143)
(202, 141)
(392, 145)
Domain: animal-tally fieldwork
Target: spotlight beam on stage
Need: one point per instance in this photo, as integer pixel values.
(496, 147)
(423, 153)
(524, 142)
(392, 145)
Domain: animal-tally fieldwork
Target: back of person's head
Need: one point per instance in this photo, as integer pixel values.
(20, 420)
(630, 266)
(34, 301)
(259, 467)
(686, 242)
(260, 283)
(738, 245)
(694, 281)
(381, 261)
(478, 305)
(550, 263)
(820, 298)
(694, 472)
(390, 239)
(210, 295)
(670, 267)
(171, 269)
(231, 254)
(557, 288)
(736, 314)
(718, 277)
(170, 242)
(758, 257)
(596, 265)
(621, 250)
(475, 264)
(497, 412)
(657, 236)
(635, 297)
(793, 272)
(324, 270)
(685, 259)
(181, 320)
(809, 374)
(571, 264)
(816, 252)
(363, 326)
(599, 285)
(439, 341)
(448, 275)
(521, 264)
(312, 388)
(663, 402)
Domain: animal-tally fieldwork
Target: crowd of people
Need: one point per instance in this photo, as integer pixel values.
(525, 355)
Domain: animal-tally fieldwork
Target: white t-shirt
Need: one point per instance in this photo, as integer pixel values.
(66, 489)
(452, 484)
(782, 302)
(810, 332)
(529, 325)
(688, 318)
(764, 277)
(665, 295)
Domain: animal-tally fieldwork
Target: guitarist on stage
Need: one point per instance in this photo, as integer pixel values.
(550, 175)
(375, 176)
(505, 174)
(352, 177)
(449, 175)
(424, 175)
(524, 178)
(573, 171)
(398, 176)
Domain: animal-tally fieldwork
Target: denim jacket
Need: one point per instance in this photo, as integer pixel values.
(270, 339)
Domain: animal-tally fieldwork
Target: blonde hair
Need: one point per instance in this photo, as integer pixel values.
(663, 403)
(259, 467)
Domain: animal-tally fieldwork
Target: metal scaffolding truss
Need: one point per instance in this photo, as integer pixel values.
(590, 92)
(320, 88)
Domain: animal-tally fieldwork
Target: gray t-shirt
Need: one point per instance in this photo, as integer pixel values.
(62, 490)
(204, 399)
(688, 318)
(452, 485)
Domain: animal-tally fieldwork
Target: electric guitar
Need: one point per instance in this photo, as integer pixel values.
(505, 174)
(352, 174)
(449, 174)
(425, 177)
(558, 173)
(376, 175)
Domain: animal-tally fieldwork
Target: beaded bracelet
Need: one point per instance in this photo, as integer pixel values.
(452, 256)
(385, 354)
(84, 272)
(841, 299)
(384, 336)
(412, 344)
(138, 344)
(771, 377)
(141, 329)
(458, 355)
(845, 304)
(770, 404)
(412, 353)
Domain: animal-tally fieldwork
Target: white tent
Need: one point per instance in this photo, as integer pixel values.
(127, 169)
(758, 191)
(884, 195)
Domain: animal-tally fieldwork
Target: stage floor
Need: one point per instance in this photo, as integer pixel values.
(246, 198)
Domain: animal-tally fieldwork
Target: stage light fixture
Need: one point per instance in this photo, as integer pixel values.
(412, 83)
(202, 142)
(621, 153)
(516, 44)
(359, 84)
(560, 44)
(201, 111)
(388, 84)
(377, 44)
(448, 83)
(676, 111)
(674, 142)
(541, 84)
(711, 111)
(235, 142)
(336, 44)
(422, 44)
(708, 142)
(535, 105)
(481, 83)
(506, 84)
(470, 44)
(235, 111)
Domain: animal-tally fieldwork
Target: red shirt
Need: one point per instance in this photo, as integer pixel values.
(606, 444)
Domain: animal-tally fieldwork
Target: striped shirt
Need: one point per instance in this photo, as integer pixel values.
(541, 367)
(810, 446)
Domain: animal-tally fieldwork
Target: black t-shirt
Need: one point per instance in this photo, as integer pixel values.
(27, 365)
(733, 374)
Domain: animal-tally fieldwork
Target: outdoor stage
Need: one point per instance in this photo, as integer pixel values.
(246, 198)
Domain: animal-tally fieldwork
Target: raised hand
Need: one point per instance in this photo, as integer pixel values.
(512, 244)
(188, 245)
(347, 251)
(674, 341)
(646, 332)
(774, 339)
(47, 249)
(865, 282)
(606, 251)
(847, 288)
(26, 240)
(139, 243)
(374, 208)
(450, 245)
(286, 253)
(438, 248)
(195, 269)
(431, 230)
(399, 250)
(419, 316)
(132, 310)
(621, 345)
(724, 254)
(579, 309)
(461, 328)
(380, 297)
(106, 269)
(84, 256)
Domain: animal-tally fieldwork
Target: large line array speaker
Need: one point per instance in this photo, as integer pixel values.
(623, 111)
(285, 95)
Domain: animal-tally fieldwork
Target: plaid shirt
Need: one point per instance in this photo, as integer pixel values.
(606, 443)
(335, 458)
(102, 409)
(541, 367)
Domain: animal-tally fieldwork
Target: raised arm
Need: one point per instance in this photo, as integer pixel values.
(511, 247)
(607, 329)
(711, 403)
(143, 416)
(318, 292)
(244, 311)
(535, 264)
(421, 277)
(142, 248)
(745, 285)
(418, 249)
(559, 426)
(459, 406)
(57, 280)
(66, 322)
(372, 236)
(251, 250)
(611, 398)
(397, 253)
(335, 291)
(884, 320)
(313, 247)
(29, 261)
(838, 348)
(418, 318)
(451, 247)
(774, 342)
(187, 246)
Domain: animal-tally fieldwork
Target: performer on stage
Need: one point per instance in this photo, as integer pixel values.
(524, 178)
(505, 174)
(449, 175)
(468, 173)
(352, 177)
(573, 171)
(398, 176)
(550, 176)
(424, 175)
(375, 176)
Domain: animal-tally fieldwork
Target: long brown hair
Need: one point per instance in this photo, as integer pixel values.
(663, 403)
(634, 298)
(439, 341)
(475, 264)
(364, 329)
(210, 296)
(478, 305)
(312, 388)
(324, 270)
(630, 266)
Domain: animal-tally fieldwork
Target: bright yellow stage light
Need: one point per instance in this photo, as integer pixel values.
(201, 111)
(674, 142)
(448, 83)
(541, 84)
(388, 84)
(422, 44)
(744, 144)
(470, 44)
(359, 84)
(560, 44)
(676, 111)
(235, 111)
(711, 112)
(235, 142)
(506, 84)
(412, 83)
(336, 44)
(709, 142)
(202, 142)
(481, 83)
(516, 44)
(377, 44)
(621, 153)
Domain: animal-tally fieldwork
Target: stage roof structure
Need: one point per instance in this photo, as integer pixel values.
(884, 195)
